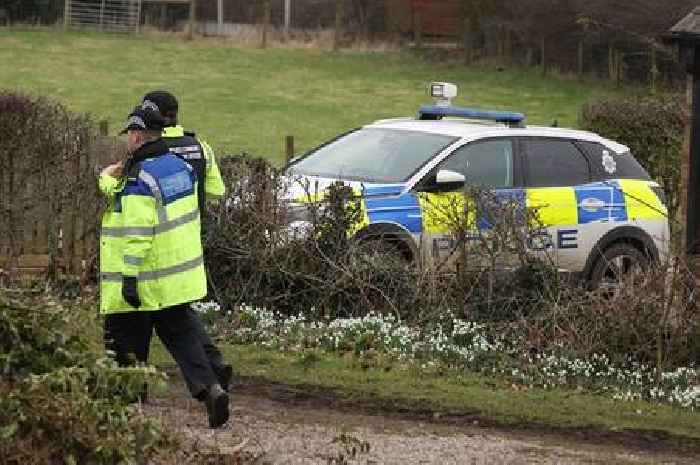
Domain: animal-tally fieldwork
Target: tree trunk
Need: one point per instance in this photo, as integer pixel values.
(508, 46)
(467, 42)
(618, 68)
(580, 56)
(543, 55)
(266, 24)
(163, 15)
(338, 24)
(418, 30)
(654, 68)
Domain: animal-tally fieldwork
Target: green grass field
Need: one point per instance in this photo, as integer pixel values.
(248, 99)
(491, 400)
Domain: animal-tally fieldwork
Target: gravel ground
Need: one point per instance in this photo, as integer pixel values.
(266, 431)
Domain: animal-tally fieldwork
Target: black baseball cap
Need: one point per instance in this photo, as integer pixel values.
(144, 119)
(161, 101)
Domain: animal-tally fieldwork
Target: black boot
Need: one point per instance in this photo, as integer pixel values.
(224, 376)
(217, 406)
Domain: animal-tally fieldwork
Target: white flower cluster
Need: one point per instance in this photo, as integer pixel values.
(467, 345)
(205, 307)
(464, 341)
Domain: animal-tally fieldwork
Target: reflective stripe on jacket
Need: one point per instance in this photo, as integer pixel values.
(151, 230)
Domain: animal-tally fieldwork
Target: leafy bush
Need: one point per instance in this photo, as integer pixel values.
(489, 279)
(652, 128)
(61, 400)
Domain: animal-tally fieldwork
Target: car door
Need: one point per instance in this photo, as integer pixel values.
(488, 164)
(558, 176)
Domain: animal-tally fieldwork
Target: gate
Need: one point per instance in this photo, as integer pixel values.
(106, 15)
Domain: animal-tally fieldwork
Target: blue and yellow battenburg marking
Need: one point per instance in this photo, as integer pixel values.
(383, 207)
(430, 213)
(599, 202)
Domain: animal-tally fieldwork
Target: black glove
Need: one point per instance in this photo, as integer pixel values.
(130, 291)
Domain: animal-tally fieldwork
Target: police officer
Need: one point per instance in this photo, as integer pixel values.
(210, 187)
(151, 263)
(187, 146)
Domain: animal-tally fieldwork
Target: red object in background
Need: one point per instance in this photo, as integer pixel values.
(440, 18)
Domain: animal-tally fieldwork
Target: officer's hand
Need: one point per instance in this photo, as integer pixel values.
(130, 291)
(115, 170)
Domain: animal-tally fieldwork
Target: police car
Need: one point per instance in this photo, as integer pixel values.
(601, 214)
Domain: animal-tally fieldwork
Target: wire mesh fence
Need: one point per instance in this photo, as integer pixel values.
(107, 15)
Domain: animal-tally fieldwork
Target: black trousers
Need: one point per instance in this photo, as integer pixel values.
(128, 335)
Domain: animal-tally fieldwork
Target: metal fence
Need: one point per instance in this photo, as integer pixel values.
(107, 15)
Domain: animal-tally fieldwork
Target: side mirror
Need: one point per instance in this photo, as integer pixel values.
(448, 180)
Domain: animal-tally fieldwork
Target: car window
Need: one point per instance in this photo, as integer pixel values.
(487, 163)
(553, 163)
(607, 164)
(373, 155)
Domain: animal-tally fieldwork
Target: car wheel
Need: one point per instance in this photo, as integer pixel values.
(617, 264)
(385, 249)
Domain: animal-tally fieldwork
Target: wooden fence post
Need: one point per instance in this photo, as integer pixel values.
(339, 13)
(220, 17)
(418, 30)
(102, 14)
(266, 24)
(66, 13)
(193, 18)
(138, 16)
(289, 148)
(287, 18)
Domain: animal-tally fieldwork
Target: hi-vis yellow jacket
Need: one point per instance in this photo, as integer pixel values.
(200, 156)
(151, 230)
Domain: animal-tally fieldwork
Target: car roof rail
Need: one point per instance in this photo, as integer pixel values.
(437, 112)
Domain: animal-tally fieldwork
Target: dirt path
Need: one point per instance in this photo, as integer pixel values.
(271, 427)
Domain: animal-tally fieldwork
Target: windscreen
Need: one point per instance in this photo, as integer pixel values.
(373, 155)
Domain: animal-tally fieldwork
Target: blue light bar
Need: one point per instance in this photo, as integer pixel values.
(433, 112)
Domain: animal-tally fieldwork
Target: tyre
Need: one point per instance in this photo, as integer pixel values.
(619, 263)
(384, 248)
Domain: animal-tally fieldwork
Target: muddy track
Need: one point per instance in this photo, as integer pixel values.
(313, 397)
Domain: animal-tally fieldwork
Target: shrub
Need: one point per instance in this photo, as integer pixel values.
(492, 279)
(61, 400)
(652, 128)
(253, 258)
(657, 327)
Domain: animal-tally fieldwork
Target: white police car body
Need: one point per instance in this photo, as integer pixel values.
(600, 210)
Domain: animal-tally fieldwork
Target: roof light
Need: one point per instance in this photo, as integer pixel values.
(443, 92)
(435, 112)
